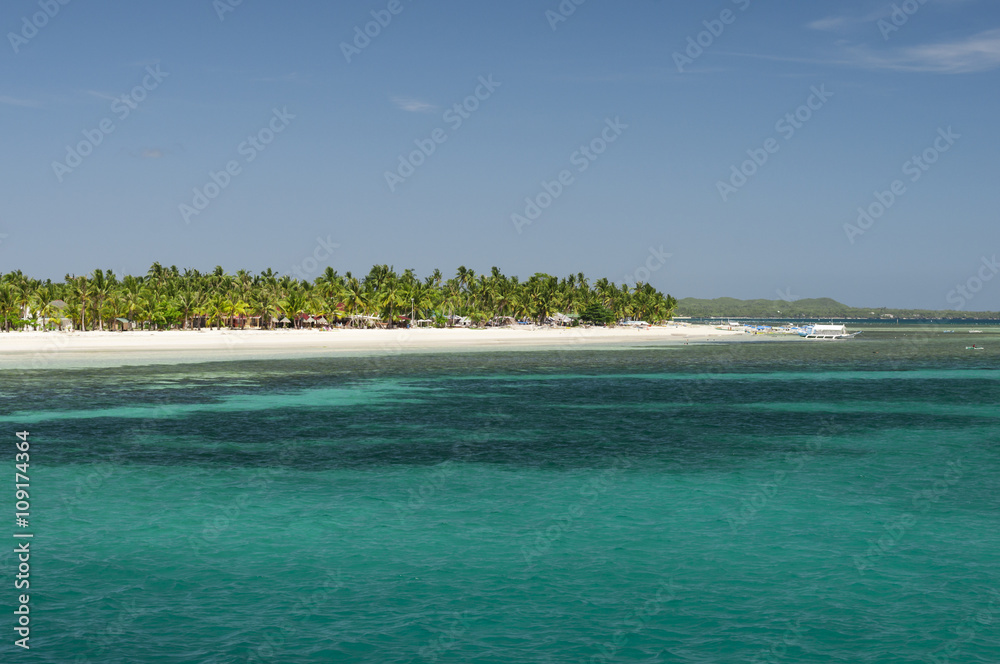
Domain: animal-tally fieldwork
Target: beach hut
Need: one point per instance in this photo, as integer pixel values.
(367, 321)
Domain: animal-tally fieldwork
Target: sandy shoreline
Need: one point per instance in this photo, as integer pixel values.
(56, 349)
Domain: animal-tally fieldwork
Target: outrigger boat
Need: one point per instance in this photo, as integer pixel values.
(828, 332)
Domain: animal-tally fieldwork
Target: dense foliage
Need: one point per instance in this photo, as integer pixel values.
(167, 297)
(724, 307)
(597, 313)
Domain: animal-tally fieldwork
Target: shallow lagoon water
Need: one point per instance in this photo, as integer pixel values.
(785, 501)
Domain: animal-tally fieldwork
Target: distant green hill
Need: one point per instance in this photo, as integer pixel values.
(822, 307)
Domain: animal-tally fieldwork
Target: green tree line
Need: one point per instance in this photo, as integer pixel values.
(167, 297)
(824, 307)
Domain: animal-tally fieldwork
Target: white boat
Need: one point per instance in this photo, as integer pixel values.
(828, 332)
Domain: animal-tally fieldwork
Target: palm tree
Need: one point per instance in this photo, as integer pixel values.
(188, 301)
(264, 303)
(114, 306)
(156, 273)
(388, 298)
(41, 303)
(81, 290)
(131, 294)
(295, 303)
(8, 305)
(165, 296)
(215, 309)
(331, 288)
(236, 307)
(354, 298)
(423, 299)
(99, 288)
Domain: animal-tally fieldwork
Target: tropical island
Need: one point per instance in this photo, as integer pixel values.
(167, 298)
(807, 308)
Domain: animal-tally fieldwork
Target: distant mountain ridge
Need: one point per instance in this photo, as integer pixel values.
(820, 307)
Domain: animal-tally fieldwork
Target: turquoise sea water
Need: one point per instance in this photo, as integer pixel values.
(788, 502)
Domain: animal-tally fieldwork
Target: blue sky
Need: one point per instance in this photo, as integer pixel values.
(266, 89)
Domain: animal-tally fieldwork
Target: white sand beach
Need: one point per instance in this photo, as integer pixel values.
(52, 349)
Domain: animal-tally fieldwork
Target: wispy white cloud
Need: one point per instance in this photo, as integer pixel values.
(843, 22)
(413, 105)
(975, 53)
(156, 152)
(830, 23)
(101, 95)
(980, 52)
(13, 101)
